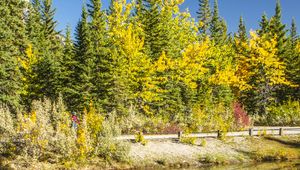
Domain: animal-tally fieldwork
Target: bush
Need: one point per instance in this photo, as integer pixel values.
(273, 154)
(188, 140)
(241, 117)
(7, 128)
(286, 114)
(139, 138)
(218, 159)
(203, 142)
(111, 150)
(211, 117)
(45, 132)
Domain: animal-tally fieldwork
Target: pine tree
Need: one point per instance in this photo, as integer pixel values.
(217, 26)
(34, 31)
(278, 29)
(203, 14)
(242, 33)
(12, 48)
(100, 54)
(156, 20)
(154, 36)
(50, 51)
(293, 33)
(68, 72)
(292, 60)
(34, 24)
(85, 59)
(241, 38)
(264, 25)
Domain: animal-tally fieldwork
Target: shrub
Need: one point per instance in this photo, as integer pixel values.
(7, 128)
(287, 114)
(188, 140)
(203, 142)
(273, 154)
(212, 117)
(241, 117)
(45, 131)
(112, 150)
(215, 158)
(139, 138)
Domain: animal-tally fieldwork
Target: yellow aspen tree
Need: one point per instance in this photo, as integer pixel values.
(131, 65)
(27, 65)
(262, 70)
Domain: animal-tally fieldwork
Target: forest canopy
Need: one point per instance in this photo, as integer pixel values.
(148, 60)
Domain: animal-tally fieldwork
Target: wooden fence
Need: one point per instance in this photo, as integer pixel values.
(256, 131)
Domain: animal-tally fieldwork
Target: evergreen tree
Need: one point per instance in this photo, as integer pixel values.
(156, 20)
(85, 59)
(218, 27)
(242, 33)
(293, 33)
(12, 48)
(68, 71)
(154, 42)
(34, 32)
(292, 60)
(34, 24)
(278, 29)
(203, 14)
(48, 68)
(241, 38)
(100, 55)
(264, 25)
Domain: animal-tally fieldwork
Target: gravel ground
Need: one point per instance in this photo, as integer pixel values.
(172, 152)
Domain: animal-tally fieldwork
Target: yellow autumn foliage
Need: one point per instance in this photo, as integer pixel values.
(262, 62)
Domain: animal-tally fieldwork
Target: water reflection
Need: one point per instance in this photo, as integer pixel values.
(259, 166)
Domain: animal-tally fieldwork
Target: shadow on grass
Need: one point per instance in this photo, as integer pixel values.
(294, 144)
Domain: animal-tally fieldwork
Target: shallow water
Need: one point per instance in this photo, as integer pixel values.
(257, 166)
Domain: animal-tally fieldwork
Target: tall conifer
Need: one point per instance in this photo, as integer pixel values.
(85, 59)
(12, 48)
(203, 14)
(218, 27)
(278, 29)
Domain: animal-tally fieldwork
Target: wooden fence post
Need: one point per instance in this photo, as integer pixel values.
(180, 135)
(219, 134)
(251, 132)
(281, 131)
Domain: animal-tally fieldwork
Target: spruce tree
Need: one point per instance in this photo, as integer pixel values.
(217, 26)
(85, 59)
(242, 33)
(68, 72)
(12, 48)
(34, 23)
(241, 38)
(292, 60)
(278, 29)
(293, 33)
(100, 55)
(51, 47)
(264, 25)
(154, 41)
(34, 32)
(203, 14)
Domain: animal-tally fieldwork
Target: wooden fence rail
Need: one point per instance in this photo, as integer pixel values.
(255, 131)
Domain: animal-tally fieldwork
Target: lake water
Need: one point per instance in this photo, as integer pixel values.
(258, 166)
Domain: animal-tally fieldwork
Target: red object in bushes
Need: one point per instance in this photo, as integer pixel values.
(241, 115)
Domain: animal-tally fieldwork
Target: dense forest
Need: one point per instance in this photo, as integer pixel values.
(145, 66)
